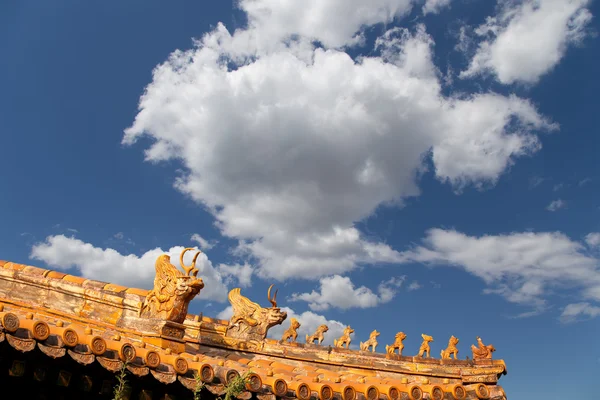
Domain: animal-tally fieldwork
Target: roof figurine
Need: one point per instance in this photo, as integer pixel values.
(398, 345)
(372, 342)
(173, 290)
(482, 352)
(451, 349)
(291, 332)
(318, 336)
(250, 321)
(345, 338)
(425, 349)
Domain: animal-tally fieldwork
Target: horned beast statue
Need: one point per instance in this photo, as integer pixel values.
(250, 321)
(172, 290)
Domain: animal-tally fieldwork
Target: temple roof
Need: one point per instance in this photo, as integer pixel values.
(152, 333)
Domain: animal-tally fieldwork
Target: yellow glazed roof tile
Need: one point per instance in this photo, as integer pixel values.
(74, 279)
(55, 275)
(14, 266)
(114, 288)
(140, 292)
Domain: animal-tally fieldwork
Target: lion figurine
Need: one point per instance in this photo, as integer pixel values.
(425, 349)
(372, 342)
(400, 336)
(451, 349)
(291, 332)
(318, 335)
(344, 339)
(482, 352)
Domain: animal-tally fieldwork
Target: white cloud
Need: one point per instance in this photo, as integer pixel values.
(109, 265)
(522, 267)
(572, 311)
(414, 285)
(334, 23)
(339, 292)
(296, 144)
(226, 314)
(204, 244)
(558, 187)
(593, 239)
(556, 205)
(536, 181)
(584, 181)
(309, 322)
(434, 6)
(242, 273)
(528, 38)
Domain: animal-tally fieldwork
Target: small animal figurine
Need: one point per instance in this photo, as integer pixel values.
(345, 338)
(318, 335)
(291, 332)
(451, 349)
(425, 345)
(482, 352)
(372, 342)
(400, 336)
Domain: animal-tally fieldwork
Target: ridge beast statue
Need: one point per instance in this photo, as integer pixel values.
(250, 321)
(390, 349)
(372, 342)
(425, 349)
(292, 331)
(482, 352)
(451, 349)
(344, 339)
(173, 290)
(318, 336)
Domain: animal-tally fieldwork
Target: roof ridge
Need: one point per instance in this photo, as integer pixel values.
(74, 280)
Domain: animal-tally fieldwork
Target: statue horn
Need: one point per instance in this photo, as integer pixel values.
(191, 268)
(273, 300)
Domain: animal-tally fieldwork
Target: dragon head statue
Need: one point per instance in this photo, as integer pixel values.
(250, 321)
(173, 290)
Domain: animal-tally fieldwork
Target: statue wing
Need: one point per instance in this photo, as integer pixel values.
(243, 308)
(165, 281)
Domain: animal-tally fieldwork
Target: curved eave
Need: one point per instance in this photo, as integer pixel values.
(216, 367)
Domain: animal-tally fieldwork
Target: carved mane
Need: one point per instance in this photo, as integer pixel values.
(243, 308)
(173, 290)
(250, 321)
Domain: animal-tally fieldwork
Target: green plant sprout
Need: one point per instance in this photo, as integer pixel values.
(199, 386)
(235, 387)
(121, 387)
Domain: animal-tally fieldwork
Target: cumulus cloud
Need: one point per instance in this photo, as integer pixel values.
(584, 181)
(309, 322)
(203, 243)
(593, 239)
(434, 6)
(293, 145)
(241, 272)
(556, 205)
(573, 311)
(109, 265)
(522, 267)
(334, 23)
(528, 38)
(414, 285)
(339, 292)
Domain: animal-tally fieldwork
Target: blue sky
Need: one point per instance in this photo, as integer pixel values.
(435, 174)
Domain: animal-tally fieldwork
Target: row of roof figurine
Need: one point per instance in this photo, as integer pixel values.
(481, 351)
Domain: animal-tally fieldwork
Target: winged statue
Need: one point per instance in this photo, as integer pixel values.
(250, 320)
(173, 290)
